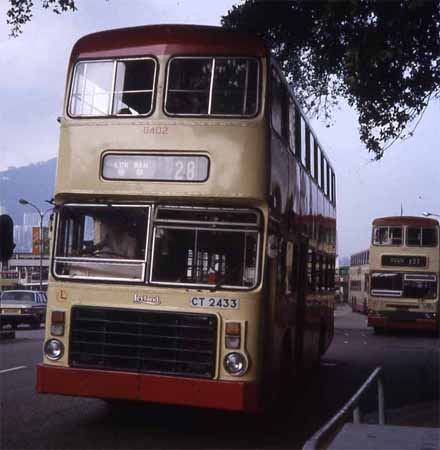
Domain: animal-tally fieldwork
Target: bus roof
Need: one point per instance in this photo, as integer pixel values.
(167, 39)
(405, 220)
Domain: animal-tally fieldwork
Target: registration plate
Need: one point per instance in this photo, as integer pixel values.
(11, 311)
(215, 302)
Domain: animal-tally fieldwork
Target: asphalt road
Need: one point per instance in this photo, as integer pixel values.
(29, 420)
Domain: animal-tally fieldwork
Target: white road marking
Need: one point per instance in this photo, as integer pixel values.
(12, 369)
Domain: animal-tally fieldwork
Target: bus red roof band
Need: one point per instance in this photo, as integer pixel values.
(405, 220)
(167, 39)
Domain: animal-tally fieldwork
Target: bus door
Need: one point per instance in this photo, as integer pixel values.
(279, 310)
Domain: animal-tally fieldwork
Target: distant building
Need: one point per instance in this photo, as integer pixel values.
(24, 271)
(31, 219)
(23, 238)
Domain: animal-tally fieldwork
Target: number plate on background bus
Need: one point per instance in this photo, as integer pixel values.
(155, 167)
(215, 302)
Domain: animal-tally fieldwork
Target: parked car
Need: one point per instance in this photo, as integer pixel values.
(20, 306)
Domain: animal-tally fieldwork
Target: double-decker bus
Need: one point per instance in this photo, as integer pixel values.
(404, 271)
(359, 279)
(194, 230)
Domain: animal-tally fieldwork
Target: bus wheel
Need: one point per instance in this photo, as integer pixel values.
(378, 330)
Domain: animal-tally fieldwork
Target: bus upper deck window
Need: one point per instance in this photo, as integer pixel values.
(188, 86)
(387, 236)
(91, 90)
(421, 237)
(134, 87)
(108, 88)
(212, 86)
(235, 87)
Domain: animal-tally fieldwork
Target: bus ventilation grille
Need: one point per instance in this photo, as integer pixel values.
(180, 344)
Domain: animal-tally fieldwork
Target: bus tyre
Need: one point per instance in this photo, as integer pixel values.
(378, 330)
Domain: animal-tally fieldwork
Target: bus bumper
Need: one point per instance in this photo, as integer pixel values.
(416, 324)
(236, 396)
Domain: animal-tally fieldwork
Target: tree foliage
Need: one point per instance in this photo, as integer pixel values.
(383, 57)
(20, 11)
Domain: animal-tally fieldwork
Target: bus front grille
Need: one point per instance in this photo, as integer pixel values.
(168, 343)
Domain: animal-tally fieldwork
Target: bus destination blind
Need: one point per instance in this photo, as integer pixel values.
(403, 261)
(151, 167)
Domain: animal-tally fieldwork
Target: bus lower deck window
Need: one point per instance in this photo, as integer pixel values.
(204, 257)
(101, 242)
(406, 285)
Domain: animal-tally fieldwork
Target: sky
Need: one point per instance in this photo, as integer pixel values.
(32, 78)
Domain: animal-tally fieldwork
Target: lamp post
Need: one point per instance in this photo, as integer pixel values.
(428, 214)
(22, 201)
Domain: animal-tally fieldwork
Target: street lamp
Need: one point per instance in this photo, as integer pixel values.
(22, 201)
(427, 214)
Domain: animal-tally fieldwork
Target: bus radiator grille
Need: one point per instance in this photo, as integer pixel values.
(168, 343)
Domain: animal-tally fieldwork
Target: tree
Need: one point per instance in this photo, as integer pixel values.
(383, 57)
(20, 11)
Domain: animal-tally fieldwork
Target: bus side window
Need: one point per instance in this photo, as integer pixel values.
(277, 105)
(293, 118)
(310, 270)
(304, 134)
(332, 272)
(316, 161)
(311, 153)
(290, 268)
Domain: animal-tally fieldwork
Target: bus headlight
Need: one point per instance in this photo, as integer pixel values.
(53, 349)
(235, 364)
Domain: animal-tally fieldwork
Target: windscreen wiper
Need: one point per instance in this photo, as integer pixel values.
(224, 278)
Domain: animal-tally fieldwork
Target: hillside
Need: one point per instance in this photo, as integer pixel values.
(34, 182)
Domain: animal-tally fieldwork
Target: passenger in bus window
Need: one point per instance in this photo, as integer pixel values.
(116, 241)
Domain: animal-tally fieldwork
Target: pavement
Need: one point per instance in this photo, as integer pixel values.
(421, 414)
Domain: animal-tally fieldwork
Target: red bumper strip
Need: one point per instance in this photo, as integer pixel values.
(236, 396)
(418, 324)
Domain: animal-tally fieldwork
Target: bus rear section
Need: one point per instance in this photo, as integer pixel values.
(404, 271)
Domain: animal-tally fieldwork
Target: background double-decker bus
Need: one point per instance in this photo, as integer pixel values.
(194, 237)
(404, 271)
(359, 281)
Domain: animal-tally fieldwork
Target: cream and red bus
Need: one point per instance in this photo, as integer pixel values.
(359, 281)
(193, 240)
(404, 271)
